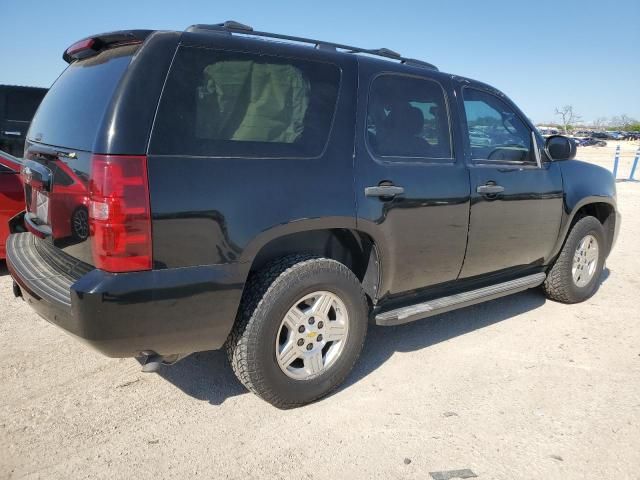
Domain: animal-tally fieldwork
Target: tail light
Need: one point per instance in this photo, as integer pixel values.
(93, 45)
(82, 45)
(119, 213)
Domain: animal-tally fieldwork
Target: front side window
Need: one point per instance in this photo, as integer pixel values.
(407, 118)
(495, 130)
(219, 103)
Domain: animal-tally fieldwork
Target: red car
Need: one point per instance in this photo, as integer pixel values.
(65, 206)
(11, 195)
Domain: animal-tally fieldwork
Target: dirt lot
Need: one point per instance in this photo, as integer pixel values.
(516, 388)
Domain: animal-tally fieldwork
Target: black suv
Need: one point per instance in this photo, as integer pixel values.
(196, 190)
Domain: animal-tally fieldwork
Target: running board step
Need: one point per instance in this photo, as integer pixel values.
(459, 300)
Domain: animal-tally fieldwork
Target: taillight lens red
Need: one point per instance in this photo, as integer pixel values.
(80, 46)
(119, 213)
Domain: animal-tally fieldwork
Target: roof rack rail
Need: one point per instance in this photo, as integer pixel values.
(231, 26)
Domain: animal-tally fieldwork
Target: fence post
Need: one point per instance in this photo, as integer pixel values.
(615, 162)
(635, 164)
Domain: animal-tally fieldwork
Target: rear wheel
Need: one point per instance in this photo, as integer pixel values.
(575, 273)
(80, 223)
(300, 329)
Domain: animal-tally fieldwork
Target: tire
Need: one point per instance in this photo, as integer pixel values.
(560, 284)
(80, 223)
(253, 346)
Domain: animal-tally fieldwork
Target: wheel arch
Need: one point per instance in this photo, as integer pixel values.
(588, 190)
(345, 244)
(601, 207)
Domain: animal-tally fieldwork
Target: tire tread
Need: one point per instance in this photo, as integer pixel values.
(258, 295)
(558, 284)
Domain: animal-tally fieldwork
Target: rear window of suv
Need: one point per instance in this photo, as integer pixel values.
(73, 109)
(235, 104)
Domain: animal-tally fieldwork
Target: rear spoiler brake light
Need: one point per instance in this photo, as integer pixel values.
(90, 46)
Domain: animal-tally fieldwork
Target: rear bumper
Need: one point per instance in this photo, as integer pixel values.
(179, 310)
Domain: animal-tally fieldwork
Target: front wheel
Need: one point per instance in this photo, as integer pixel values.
(575, 273)
(300, 330)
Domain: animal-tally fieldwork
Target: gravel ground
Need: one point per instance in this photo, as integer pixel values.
(519, 387)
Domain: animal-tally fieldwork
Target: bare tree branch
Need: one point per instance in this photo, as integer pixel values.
(568, 116)
(600, 122)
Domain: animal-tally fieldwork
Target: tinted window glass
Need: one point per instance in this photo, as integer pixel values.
(72, 111)
(495, 131)
(407, 117)
(219, 103)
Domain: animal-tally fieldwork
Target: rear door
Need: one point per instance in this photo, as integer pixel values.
(412, 192)
(59, 148)
(516, 197)
(252, 141)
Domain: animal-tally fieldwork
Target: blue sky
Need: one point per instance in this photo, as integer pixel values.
(542, 54)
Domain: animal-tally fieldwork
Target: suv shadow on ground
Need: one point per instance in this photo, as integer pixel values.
(207, 375)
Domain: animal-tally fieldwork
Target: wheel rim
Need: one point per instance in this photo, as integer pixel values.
(585, 261)
(312, 335)
(81, 224)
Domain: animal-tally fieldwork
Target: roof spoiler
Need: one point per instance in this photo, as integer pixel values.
(90, 46)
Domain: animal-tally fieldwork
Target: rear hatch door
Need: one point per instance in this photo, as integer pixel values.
(59, 147)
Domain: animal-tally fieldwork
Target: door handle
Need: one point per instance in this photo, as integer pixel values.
(489, 189)
(383, 191)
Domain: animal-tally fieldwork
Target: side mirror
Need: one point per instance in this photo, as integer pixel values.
(560, 148)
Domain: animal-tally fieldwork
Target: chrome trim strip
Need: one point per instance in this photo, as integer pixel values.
(458, 300)
(536, 150)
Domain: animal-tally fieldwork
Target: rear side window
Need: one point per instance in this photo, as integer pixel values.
(220, 103)
(407, 118)
(72, 111)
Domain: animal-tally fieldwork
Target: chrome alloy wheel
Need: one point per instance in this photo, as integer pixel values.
(312, 335)
(585, 261)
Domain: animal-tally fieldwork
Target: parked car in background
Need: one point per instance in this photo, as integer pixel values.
(616, 135)
(587, 141)
(593, 142)
(277, 219)
(545, 131)
(18, 104)
(11, 196)
(600, 135)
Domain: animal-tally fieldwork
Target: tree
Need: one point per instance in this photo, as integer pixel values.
(623, 122)
(600, 122)
(567, 116)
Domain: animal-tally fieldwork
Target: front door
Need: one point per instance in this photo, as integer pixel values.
(412, 193)
(516, 195)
